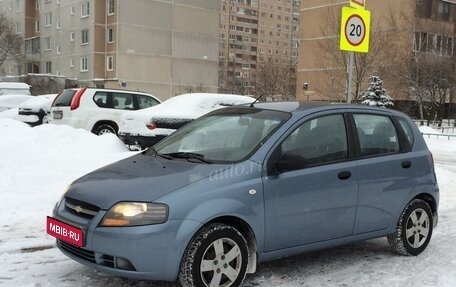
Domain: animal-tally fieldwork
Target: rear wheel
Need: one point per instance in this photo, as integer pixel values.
(414, 229)
(216, 257)
(104, 129)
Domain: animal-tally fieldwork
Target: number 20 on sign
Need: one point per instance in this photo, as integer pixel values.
(355, 30)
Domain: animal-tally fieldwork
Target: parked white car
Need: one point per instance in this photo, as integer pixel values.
(147, 127)
(97, 110)
(14, 88)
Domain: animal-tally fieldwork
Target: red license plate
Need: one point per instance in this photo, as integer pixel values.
(64, 231)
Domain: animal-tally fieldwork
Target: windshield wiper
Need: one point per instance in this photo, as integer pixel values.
(155, 153)
(188, 156)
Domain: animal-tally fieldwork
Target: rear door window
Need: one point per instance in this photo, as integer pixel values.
(122, 101)
(65, 98)
(377, 135)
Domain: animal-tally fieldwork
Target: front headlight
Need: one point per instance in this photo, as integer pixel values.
(134, 214)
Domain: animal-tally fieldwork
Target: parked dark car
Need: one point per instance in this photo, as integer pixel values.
(149, 126)
(35, 109)
(244, 185)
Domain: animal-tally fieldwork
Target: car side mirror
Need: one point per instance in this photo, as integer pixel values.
(288, 162)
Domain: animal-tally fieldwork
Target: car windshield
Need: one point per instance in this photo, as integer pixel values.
(224, 136)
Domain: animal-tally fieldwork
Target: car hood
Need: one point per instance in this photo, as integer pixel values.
(139, 178)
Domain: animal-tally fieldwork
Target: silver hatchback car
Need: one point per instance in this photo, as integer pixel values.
(248, 184)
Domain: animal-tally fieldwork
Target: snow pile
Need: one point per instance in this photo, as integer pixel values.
(36, 165)
(428, 130)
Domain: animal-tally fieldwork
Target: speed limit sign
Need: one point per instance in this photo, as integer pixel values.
(355, 30)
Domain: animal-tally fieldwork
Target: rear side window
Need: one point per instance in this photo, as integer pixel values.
(122, 101)
(377, 135)
(407, 129)
(146, 102)
(101, 99)
(65, 98)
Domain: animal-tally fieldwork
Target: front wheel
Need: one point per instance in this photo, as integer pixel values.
(216, 257)
(414, 229)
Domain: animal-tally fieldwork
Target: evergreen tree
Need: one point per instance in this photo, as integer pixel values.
(376, 95)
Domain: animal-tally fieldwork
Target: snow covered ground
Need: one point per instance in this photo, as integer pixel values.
(36, 164)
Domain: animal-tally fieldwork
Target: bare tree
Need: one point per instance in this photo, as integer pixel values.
(276, 80)
(10, 42)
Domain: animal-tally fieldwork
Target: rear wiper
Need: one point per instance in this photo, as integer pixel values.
(188, 155)
(155, 153)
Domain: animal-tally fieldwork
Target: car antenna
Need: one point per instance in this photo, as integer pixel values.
(256, 100)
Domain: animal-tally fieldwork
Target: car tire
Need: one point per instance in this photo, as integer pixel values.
(414, 229)
(217, 252)
(104, 129)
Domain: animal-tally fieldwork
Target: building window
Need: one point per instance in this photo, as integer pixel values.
(85, 10)
(48, 19)
(58, 25)
(71, 63)
(18, 28)
(423, 8)
(443, 11)
(110, 6)
(37, 26)
(37, 4)
(47, 43)
(48, 67)
(72, 10)
(58, 49)
(72, 36)
(84, 64)
(110, 35)
(84, 36)
(18, 5)
(110, 63)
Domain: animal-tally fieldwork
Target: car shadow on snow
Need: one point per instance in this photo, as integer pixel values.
(318, 265)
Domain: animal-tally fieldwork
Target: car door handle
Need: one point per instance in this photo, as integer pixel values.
(406, 164)
(343, 175)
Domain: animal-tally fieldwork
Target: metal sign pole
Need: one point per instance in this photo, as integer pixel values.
(350, 76)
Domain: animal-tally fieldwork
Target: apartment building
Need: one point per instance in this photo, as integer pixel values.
(254, 32)
(413, 31)
(162, 47)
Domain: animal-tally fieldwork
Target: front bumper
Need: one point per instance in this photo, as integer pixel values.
(144, 252)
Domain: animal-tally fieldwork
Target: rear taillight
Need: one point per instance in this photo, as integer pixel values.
(55, 99)
(151, 125)
(77, 99)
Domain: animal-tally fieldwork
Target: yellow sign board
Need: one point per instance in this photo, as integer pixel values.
(359, 4)
(355, 30)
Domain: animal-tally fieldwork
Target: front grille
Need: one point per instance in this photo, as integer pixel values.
(81, 208)
(78, 252)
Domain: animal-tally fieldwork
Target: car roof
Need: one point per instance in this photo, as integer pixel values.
(297, 106)
(13, 85)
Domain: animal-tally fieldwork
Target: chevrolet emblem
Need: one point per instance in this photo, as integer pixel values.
(78, 209)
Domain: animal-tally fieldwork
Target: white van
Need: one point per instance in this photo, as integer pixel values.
(14, 88)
